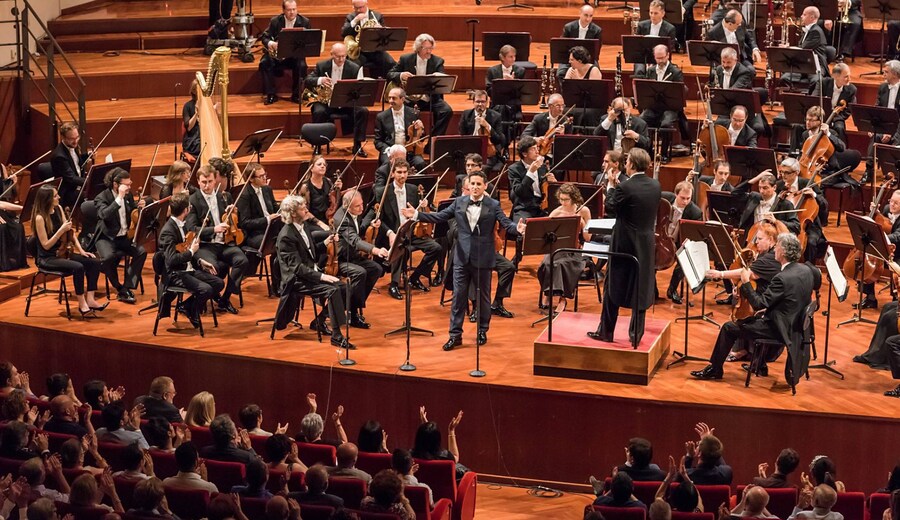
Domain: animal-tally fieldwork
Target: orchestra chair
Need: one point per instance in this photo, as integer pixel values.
(841, 188)
(418, 500)
(165, 289)
(187, 504)
(352, 490)
(266, 249)
(372, 463)
(295, 321)
(319, 135)
(769, 349)
(31, 245)
(851, 504)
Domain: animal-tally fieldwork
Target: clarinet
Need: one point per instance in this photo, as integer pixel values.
(618, 78)
(545, 85)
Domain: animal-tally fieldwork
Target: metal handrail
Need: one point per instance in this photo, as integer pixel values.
(55, 43)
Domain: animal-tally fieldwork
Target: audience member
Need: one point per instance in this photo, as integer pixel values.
(347, 454)
(150, 500)
(200, 410)
(822, 470)
(11, 379)
(280, 508)
(35, 472)
(42, 509)
(281, 454)
(822, 500)
(312, 426)
(61, 384)
(403, 463)
(191, 470)
(86, 492)
(427, 444)
(137, 462)
(753, 504)
(620, 493)
(372, 438)
(893, 483)
(225, 507)
(785, 464)
(659, 510)
(159, 401)
(14, 443)
(893, 512)
(98, 395)
(164, 436)
(638, 464)
(228, 444)
(251, 419)
(257, 477)
(122, 427)
(64, 418)
(684, 498)
(71, 455)
(17, 408)
(386, 496)
(316, 485)
(712, 469)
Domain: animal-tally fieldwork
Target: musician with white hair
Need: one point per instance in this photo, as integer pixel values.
(379, 62)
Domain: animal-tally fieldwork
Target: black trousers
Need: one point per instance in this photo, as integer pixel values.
(80, 267)
(230, 261)
(203, 286)
(363, 274)
(359, 117)
(879, 353)
(609, 315)
(731, 332)
(440, 115)
(269, 68)
(893, 347)
(110, 251)
(334, 295)
(432, 251)
(462, 275)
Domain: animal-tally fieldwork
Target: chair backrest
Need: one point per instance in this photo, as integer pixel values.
(258, 443)
(254, 508)
(42, 172)
(878, 502)
(10, 466)
(440, 475)
(464, 507)
(201, 436)
(620, 513)
(188, 504)
(113, 453)
(315, 512)
(225, 475)
(125, 489)
(645, 491)
(55, 440)
(72, 473)
(851, 504)
(352, 490)
(312, 454)
(714, 495)
(164, 464)
(372, 463)
(318, 134)
(418, 500)
(81, 513)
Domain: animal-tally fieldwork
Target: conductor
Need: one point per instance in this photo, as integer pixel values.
(634, 202)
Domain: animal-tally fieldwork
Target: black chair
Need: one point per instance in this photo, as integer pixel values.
(319, 135)
(769, 349)
(31, 245)
(166, 293)
(42, 172)
(266, 249)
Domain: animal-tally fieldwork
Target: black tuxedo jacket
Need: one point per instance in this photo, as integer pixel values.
(169, 237)
(539, 126)
(521, 188)
(467, 125)
(64, 168)
(108, 212)
(637, 124)
(473, 246)
(882, 99)
(741, 77)
(666, 29)
(570, 30)
(350, 238)
(251, 218)
(742, 193)
(407, 63)
(348, 30)
(672, 73)
(323, 68)
(390, 215)
(848, 95)
(199, 208)
(384, 127)
(496, 72)
(746, 137)
(276, 25)
(710, 179)
(296, 261)
(746, 40)
(814, 39)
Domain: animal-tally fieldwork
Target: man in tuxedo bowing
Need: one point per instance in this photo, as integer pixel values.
(327, 73)
(635, 204)
(474, 252)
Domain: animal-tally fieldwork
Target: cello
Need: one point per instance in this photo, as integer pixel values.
(816, 149)
(712, 137)
(870, 268)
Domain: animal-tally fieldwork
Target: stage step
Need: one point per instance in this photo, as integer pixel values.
(171, 41)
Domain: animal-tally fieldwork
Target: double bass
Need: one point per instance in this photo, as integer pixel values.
(663, 243)
(713, 138)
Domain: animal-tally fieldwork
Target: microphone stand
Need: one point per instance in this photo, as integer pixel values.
(347, 361)
(175, 114)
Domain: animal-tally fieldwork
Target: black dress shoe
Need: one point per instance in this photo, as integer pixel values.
(763, 371)
(227, 307)
(481, 338)
(321, 326)
(438, 280)
(358, 321)
(675, 297)
(451, 343)
(269, 100)
(124, 297)
(473, 317)
(341, 342)
(867, 304)
(860, 359)
(729, 300)
(600, 336)
(395, 293)
(500, 310)
(893, 393)
(418, 285)
(360, 151)
(194, 319)
(707, 373)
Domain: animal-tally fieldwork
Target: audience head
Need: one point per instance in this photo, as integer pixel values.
(158, 432)
(14, 436)
(96, 394)
(894, 479)
(84, 491)
(187, 457)
(824, 496)
(113, 416)
(347, 454)
(316, 479)
(311, 427)
(250, 416)
(201, 410)
(58, 384)
(685, 497)
(221, 508)
(710, 449)
(822, 470)
(257, 474)
(277, 508)
(149, 494)
(787, 461)
(370, 437)
(386, 487)
(63, 407)
(132, 457)
(71, 454)
(428, 439)
(42, 509)
(163, 388)
(621, 487)
(641, 452)
(33, 471)
(402, 461)
(278, 447)
(9, 376)
(15, 406)
(222, 430)
(757, 500)
(659, 510)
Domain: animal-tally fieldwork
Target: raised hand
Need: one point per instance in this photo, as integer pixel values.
(336, 416)
(423, 416)
(454, 422)
(311, 401)
(281, 429)
(703, 430)
(762, 468)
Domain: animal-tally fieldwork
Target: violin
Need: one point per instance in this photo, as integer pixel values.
(664, 244)
(372, 232)
(136, 212)
(67, 241)
(816, 149)
(426, 229)
(546, 144)
(192, 236)
(482, 131)
(712, 138)
(417, 137)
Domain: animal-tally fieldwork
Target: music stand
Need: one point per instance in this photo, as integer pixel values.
(561, 47)
(748, 162)
(93, 182)
(254, 144)
(718, 244)
(659, 95)
(543, 236)
(796, 105)
(588, 93)
(723, 99)
(792, 60)
(516, 91)
(887, 157)
(400, 253)
(28, 205)
(379, 39)
(707, 54)
(886, 10)
(586, 157)
(355, 93)
(491, 42)
(722, 204)
(429, 86)
(456, 147)
(587, 191)
(878, 120)
(299, 44)
(868, 238)
(833, 272)
(673, 11)
(639, 49)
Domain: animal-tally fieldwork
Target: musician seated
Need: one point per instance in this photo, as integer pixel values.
(797, 190)
(185, 269)
(324, 76)
(209, 206)
(764, 205)
(270, 65)
(379, 62)
(842, 158)
(256, 209)
(612, 168)
(552, 118)
(506, 69)
(526, 181)
(114, 211)
(567, 267)
(682, 208)
(582, 28)
(891, 211)
(656, 117)
(353, 254)
(762, 271)
(480, 120)
(399, 194)
(177, 179)
(66, 162)
(656, 25)
(887, 97)
(733, 30)
(318, 190)
(813, 38)
(51, 229)
(422, 62)
(884, 347)
(619, 124)
(719, 180)
(837, 88)
(12, 233)
(392, 127)
(739, 132)
(850, 31)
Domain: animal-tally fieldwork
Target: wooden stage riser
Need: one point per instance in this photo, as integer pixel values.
(543, 434)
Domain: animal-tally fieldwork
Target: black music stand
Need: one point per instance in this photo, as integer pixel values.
(150, 221)
(586, 157)
(722, 204)
(878, 120)
(255, 144)
(28, 205)
(378, 39)
(544, 235)
(792, 60)
(355, 93)
(673, 11)
(561, 47)
(400, 253)
(832, 271)
(888, 158)
(516, 91)
(885, 10)
(748, 162)
(707, 54)
(429, 86)
(639, 49)
(868, 238)
(93, 182)
(451, 150)
(588, 93)
(723, 99)
(491, 42)
(300, 44)
(659, 95)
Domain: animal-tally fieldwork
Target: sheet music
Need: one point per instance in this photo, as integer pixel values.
(838, 280)
(595, 249)
(693, 257)
(599, 225)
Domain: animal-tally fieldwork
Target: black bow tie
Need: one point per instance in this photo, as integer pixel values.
(475, 202)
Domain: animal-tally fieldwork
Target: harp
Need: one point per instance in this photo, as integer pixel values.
(214, 126)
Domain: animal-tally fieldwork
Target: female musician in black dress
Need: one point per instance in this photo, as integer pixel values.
(50, 226)
(12, 233)
(567, 267)
(190, 141)
(177, 179)
(317, 189)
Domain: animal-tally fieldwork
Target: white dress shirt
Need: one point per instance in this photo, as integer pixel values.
(892, 94)
(262, 200)
(312, 252)
(536, 185)
(123, 222)
(289, 24)
(836, 95)
(617, 142)
(473, 213)
(213, 204)
(654, 28)
(726, 77)
(422, 70)
(74, 155)
(661, 72)
(765, 206)
(730, 36)
(733, 134)
(400, 195)
(582, 31)
(399, 127)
